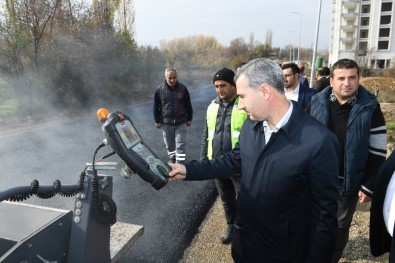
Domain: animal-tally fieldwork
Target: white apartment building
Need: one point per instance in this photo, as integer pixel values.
(363, 30)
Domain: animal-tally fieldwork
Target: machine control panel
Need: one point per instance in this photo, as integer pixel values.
(124, 139)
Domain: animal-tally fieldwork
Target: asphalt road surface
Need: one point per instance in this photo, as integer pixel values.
(60, 150)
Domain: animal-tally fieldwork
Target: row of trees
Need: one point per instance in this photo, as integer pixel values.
(71, 54)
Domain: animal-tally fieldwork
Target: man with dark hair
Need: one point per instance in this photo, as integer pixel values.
(301, 78)
(293, 89)
(322, 80)
(354, 116)
(173, 114)
(286, 208)
(220, 135)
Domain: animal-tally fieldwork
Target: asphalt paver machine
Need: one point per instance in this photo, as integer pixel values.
(31, 233)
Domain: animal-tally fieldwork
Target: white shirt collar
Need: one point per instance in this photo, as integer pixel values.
(279, 125)
(295, 91)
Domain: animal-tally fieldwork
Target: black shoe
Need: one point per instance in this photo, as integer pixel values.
(226, 237)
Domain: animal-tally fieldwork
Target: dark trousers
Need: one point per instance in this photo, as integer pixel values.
(346, 208)
(228, 189)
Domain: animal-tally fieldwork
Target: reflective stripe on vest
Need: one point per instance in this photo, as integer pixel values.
(237, 119)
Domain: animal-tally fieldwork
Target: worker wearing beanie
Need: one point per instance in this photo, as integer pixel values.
(220, 135)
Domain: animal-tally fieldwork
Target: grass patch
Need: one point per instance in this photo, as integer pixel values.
(391, 132)
(386, 96)
(7, 107)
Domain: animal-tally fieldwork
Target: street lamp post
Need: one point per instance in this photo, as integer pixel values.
(293, 46)
(300, 32)
(315, 44)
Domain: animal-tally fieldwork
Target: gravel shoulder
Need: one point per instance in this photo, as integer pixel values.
(207, 248)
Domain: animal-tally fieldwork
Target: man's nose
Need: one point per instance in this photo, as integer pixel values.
(347, 82)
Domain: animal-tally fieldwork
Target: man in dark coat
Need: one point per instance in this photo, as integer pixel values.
(294, 90)
(286, 208)
(381, 241)
(302, 80)
(322, 80)
(173, 114)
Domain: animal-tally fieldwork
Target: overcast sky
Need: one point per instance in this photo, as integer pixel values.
(229, 19)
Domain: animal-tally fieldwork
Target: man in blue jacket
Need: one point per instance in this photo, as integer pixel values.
(353, 114)
(286, 208)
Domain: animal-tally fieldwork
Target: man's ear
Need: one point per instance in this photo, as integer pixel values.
(265, 90)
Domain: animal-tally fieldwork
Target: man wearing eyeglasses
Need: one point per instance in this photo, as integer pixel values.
(293, 89)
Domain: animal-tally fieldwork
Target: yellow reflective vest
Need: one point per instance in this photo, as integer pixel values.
(237, 119)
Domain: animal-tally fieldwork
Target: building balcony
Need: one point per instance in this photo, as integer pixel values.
(350, 3)
(350, 16)
(348, 28)
(347, 39)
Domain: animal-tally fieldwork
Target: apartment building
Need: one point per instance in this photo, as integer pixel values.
(363, 30)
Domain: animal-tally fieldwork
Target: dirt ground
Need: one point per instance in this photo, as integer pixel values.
(206, 247)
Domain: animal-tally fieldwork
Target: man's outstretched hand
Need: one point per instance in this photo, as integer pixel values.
(178, 171)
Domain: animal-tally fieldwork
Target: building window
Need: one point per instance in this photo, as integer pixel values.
(372, 63)
(362, 48)
(385, 20)
(365, 9)
(364, 33)
(384, 32)
(382, 45)
(380, 63)
(385, 7)
(364, 21)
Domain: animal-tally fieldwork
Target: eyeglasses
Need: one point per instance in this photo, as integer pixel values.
(288, 75)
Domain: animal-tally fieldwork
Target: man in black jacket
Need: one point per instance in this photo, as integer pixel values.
(381, 213)
(322, 80)
(287, 205)
(173, 114)
(220, 135)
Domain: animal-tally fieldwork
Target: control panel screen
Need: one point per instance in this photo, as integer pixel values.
(127, 133)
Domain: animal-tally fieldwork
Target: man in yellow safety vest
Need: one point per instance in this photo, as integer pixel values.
(220, 135)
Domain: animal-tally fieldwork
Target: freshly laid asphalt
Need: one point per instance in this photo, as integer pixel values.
(60, 149)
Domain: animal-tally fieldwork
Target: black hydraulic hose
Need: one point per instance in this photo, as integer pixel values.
(94, 158)
(24, 192)
(104, 208)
